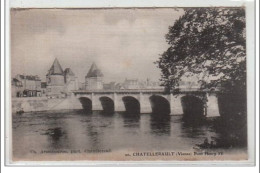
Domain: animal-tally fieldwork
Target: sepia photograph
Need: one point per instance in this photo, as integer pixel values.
(128, 84)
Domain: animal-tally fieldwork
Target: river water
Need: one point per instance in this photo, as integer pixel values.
(98, 131)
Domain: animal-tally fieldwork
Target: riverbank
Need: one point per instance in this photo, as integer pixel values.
(36, 104)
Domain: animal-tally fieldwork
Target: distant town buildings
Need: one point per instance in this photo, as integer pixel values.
(61, 83)
(133, 84)
(26, 86)
(139, 84)
(112, 86)
(58, 83)
(17, 88)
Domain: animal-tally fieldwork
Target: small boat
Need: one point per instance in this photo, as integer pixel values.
(206, 144)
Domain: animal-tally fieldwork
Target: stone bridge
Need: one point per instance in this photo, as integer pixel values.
(149, 101)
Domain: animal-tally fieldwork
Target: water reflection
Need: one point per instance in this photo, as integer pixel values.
(55, 128)
(160, 124)
(232, 132)
(96, 125)
(70, 130)
(94, 135)
(192, 122)
(55, 136)
(199, 128)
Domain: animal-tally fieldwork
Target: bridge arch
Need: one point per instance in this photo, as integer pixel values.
(86, 104)
(107, 104)
(132, 105)
(192, 106)
(160, 105)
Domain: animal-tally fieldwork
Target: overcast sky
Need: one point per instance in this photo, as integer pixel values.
(124, 43)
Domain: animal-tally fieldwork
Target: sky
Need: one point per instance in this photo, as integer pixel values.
(124, 43)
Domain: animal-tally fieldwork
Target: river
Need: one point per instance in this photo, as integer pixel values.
(63, 130)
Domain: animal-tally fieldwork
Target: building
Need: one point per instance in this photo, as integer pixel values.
(60, 83)
(131, 84)
(112, 86)
(55, 80)
(136, 84)
(71, 81)
(17, 88)
(30, 85)
(44, 88)
(153, 84)
(94, 78)
(81, 85)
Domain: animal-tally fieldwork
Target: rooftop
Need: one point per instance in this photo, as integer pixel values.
(94, 71)
(55, 68)
(29, 77)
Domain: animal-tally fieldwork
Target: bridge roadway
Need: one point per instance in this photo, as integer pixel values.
(149, 100)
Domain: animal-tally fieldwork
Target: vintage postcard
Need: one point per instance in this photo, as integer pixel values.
(129, 84)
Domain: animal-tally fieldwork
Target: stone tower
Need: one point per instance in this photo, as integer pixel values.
(94, 78)
(55, 80)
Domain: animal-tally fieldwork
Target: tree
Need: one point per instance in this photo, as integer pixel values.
(208, 43)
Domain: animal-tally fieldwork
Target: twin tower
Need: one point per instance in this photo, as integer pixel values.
(62, 82)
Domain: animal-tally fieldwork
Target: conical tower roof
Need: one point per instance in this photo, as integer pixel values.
(56, 68)
(94, 71)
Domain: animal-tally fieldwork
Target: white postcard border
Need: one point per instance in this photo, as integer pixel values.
(154, 3)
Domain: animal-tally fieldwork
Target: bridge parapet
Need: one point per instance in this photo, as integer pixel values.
(120, 91)
(159, 91)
